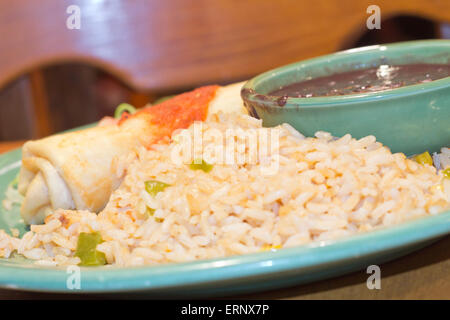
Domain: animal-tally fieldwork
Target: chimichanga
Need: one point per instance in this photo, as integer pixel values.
(76, 170)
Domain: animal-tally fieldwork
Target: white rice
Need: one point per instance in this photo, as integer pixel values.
(442, 160)
(324, 189)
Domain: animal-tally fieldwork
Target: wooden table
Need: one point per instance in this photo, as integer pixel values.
(10, 145)
(424, 274)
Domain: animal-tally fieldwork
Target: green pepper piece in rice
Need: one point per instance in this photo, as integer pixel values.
(424, 158)
(153, 187)
(124, 107)
(15, 182)
(87, 249)
(149, 212)
(201, 165)
(446, 173)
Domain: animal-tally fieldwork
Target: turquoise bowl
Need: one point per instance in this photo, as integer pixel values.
(408, 119)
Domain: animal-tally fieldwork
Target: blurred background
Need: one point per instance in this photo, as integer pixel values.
(54, 78)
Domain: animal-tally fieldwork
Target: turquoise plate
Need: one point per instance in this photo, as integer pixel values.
(218, 277)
